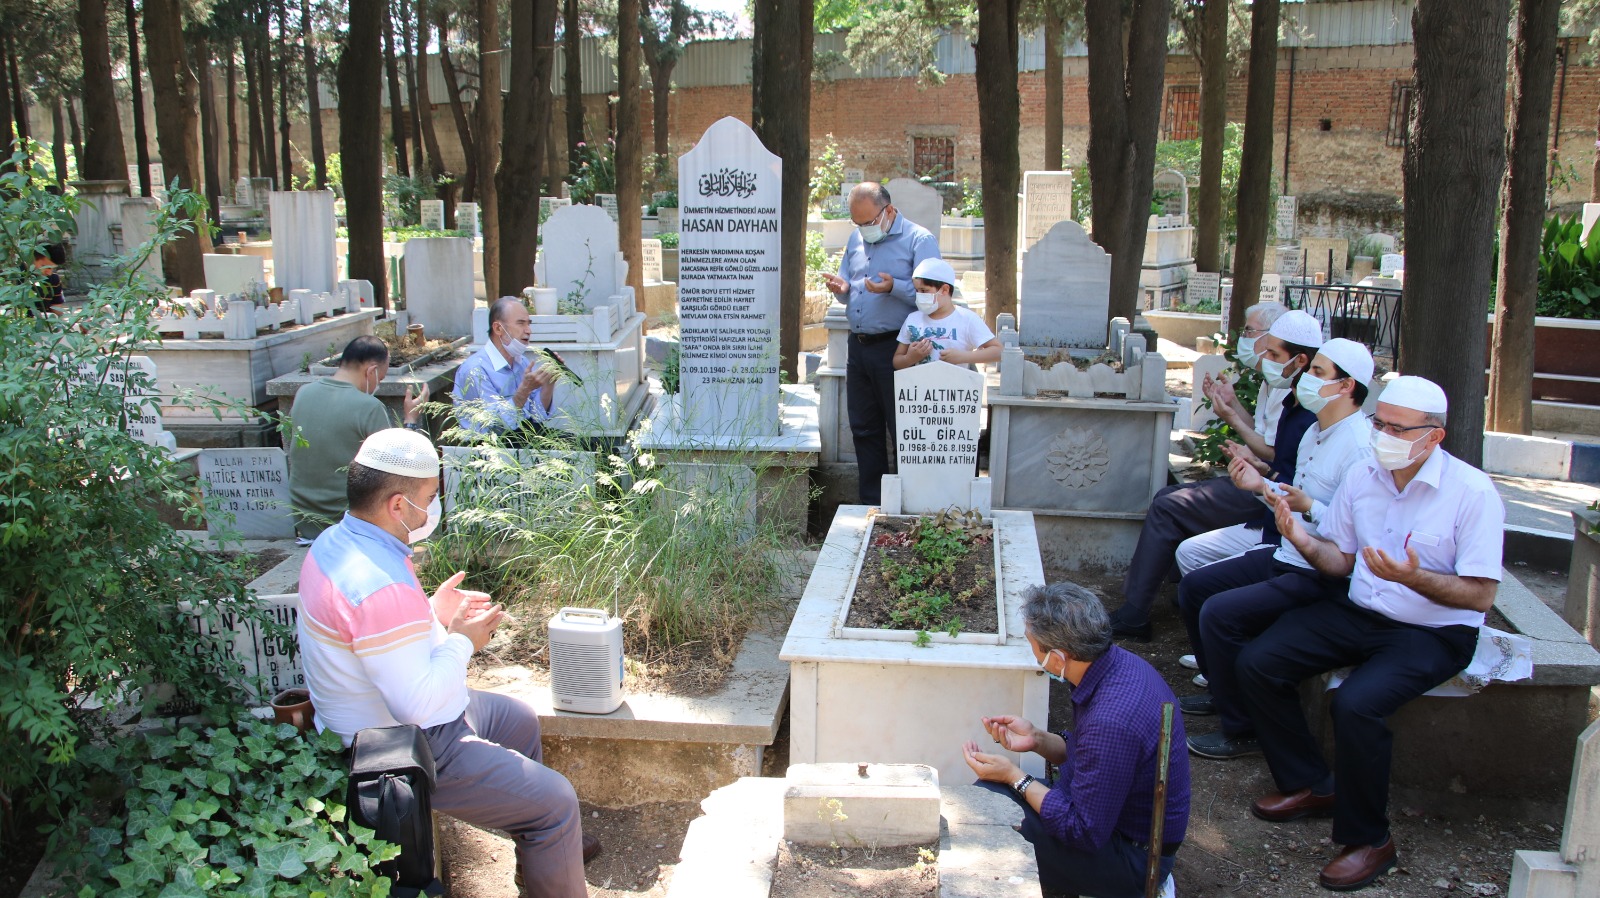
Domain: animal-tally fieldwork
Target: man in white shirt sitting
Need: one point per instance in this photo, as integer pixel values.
(1228, 603)
(499, 388)
(378, 652)
(1419, 532)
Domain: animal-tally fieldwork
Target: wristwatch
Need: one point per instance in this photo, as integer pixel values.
(413, 425)
(1021, 786)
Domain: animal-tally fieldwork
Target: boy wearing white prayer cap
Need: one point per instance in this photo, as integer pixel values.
(379, 652)
(1419, 533)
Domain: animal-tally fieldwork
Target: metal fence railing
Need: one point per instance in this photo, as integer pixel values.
(1369, 315)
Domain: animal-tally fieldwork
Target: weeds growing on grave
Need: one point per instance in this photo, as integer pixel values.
(681, 554)
(91, 576)
(1247, 386)
(924, 592)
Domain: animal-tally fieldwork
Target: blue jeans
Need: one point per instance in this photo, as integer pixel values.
(1117, 870)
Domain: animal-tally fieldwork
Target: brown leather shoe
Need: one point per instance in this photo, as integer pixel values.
(1357, 866)
(1281, 808)
(591, 847)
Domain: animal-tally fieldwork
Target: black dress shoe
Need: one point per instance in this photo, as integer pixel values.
(1136, 632)
(1219, 746)
(1198, 705)
(591, 847)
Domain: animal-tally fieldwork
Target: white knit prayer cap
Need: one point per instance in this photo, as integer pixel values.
(405, 453)
(1297, 327)
(1417, 393)
(1350, 356)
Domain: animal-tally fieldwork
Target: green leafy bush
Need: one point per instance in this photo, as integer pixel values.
(817, 261)
(971, 200)
(1247, 386)
(252, 809)
(403, 196)
(669, 239)
(1569, 270)
(668, 200)
(91, 576)
(827, 174)
(597, 171)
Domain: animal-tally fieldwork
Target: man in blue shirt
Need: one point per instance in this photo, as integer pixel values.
(1091, 829)
(498, 388)
(874, 282)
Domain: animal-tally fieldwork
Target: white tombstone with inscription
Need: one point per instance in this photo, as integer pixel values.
(1204, 286)
(917, 202)
(937, 407)
(1390, 263)
(432, 215)
(469, 220)
(438, 284)
(1271, 288)
(254, 653)
(251, 486)
(1287, 209)
(138, 228)
(1288, 261)
(1066, 290)
(728, 282)
(608, 202)
(650, 259)
(1046, 199)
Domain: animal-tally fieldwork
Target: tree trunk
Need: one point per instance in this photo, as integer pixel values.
(19, 92)
(533, 32)
(661, 105)
(408, 40)
(430, 137)
(1213, 135)
(77, 134)
(999, 117)
(233, 116)
(175, 91)
(58, 140)
(319, 153)
(102, 157)
(1522, 225)
(264, 76)
(1053, 89)
(8, 129)
(1125, 99)
(208, 125)
(141, 134)
(361, 141)
(488, 134)
(1255, 161)
(252, 108)
(397, 116)
(780, 78)
(458, 111)
(1453, 167)
(287, 163)
(630, 142)
(572, 47)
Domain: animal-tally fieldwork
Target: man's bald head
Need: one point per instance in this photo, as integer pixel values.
(867, 202)
(870, 191)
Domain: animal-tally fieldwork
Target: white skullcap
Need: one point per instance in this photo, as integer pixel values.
(402, 452)
(1297, 327)
(935, 269)
(1349, 355)
(1416, 393)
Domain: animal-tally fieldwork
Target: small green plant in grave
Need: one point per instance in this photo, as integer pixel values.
(1247, 386)
(923, 592)
(669, 239)
(573, 302)
(248, 809)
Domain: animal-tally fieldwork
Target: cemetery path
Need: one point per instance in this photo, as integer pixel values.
(1447, 844)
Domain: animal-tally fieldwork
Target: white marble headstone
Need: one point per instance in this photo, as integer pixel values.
(1390, 263)
(139, 228)
(253, 486)
(1271, 288)
(438, 284)
(253, 653)
(1066, 290)
(580, 252)
(1204, 286)
(469, 220)
(1046, 199)
(730, 191)
(608, 202)
(1171, 189)
(227, 274)
(1288, 259)
(917, 202)
(650, 249)
(936, 428)
(432, 215)
(1287, 208)
(304, 255)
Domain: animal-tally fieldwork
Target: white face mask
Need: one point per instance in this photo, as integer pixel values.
(927, 303)
(1309, 392)
(434, 511)
(372, 373)
(1392, 452)
(873, 232)
(515, 347)
(1246, 351)
(1272, 373)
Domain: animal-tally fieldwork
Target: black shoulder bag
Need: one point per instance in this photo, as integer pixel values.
(391, 782)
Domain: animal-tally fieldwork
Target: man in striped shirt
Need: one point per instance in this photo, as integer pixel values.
(379, 652)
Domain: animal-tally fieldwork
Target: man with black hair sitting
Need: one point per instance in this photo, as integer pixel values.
(330, 418)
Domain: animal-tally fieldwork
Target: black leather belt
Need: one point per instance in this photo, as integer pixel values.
(872, 339)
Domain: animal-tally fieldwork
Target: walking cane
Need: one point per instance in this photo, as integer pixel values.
(1158, 812)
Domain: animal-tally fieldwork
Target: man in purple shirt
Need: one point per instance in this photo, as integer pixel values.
(1091, 829)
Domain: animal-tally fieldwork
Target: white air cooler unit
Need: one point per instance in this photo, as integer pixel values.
(586, 660)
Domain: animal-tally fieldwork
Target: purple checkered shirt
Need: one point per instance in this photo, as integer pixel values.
(1107, 783)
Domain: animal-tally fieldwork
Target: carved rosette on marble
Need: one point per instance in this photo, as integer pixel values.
(1078, 458)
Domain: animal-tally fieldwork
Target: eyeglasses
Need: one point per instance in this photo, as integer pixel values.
(1383, 426)
(875, 219)
(1253, 331)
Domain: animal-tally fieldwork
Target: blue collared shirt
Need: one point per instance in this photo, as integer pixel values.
(904, 244)
(485, 384)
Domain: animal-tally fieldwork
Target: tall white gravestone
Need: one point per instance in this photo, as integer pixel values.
(1046, 199)
(730, 189)
(438, 279)
(431, 215)
(1066, 290)
(937, 408)
(917, 202)
(304, 255)
(580, 254)
(252, 486)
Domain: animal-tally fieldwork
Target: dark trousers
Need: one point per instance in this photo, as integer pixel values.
(1177, 513)
(1117, 870)
(1396, 663)
(869, 395)
(1227, 604)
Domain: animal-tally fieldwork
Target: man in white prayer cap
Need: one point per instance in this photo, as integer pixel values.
(1419, 533)
(378, 652)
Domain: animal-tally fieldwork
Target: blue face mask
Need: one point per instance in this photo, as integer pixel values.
(1054, 676)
